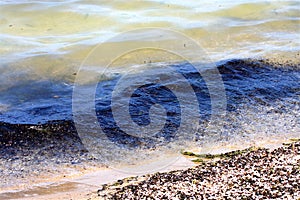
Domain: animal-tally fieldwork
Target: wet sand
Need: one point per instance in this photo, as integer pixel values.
(83, 184)
(254, 173)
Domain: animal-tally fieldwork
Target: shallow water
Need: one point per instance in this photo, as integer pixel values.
(46, 47)
(44, 43)
(262, 104)
(49, 39)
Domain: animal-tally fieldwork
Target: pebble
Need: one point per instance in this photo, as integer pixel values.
(264, 174)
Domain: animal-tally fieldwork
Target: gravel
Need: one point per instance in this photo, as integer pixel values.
(259, 174)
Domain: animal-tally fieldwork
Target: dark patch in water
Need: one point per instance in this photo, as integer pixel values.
(35, 103)
(23, 134)
(254, 82)
(55, 142)
(141, 101)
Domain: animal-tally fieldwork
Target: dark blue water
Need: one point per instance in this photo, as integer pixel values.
(35, 102)
(247, 82)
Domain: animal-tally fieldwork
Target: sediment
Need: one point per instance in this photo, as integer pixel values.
(34, 153)
(259, 174)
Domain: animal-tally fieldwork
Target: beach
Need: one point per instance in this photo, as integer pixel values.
(149, 99)
(253, 173)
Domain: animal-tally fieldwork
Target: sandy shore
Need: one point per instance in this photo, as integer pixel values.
(254, 173)
(83, 184)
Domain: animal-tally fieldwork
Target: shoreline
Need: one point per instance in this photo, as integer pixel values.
(253, 173)
(80, 188)
(67, 175)
(263, 115)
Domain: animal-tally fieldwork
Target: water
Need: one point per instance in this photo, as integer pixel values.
(49, 39)
(44, 43)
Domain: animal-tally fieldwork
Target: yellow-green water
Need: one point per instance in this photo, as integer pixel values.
(49, 39)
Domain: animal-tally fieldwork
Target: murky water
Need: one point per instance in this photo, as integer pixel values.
(49, 39)
(45, 45)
